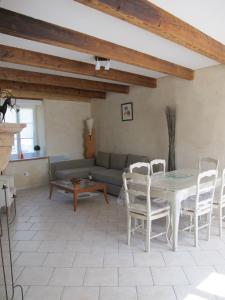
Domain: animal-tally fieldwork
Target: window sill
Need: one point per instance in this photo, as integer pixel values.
(28, 158)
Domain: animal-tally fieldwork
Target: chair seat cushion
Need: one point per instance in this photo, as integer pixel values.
(189, 203)
(156, 207)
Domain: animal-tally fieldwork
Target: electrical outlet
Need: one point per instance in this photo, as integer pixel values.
(26, 173)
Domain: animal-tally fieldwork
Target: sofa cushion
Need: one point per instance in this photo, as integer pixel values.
(102, 159)
(131, 159)
(118, 161)
(71, 173)
(77, 172)
(111, 176)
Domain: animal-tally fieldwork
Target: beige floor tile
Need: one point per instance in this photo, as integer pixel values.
(208, 258)
(148, 259)
(198, 274)
(24, 235)
(23, 226)
(42, 226)
(135, 276)
(68, 277)
(220, 269)
(33, 259)
(44, 292)
(156, 292)
(59, 260)
(101, 277)
(51, 229)
(168, 276)
(183, 258)
(118, 293)
(78, 246)
(88, 260)
(46, 235)
(118, 260)
(35, 276)
(27, 246)
(105, 246)
(17, 270)
(80, 293)
(52, 246)
(192, 293)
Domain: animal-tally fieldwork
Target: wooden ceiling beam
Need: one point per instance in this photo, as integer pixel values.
(148, 16)
(55, 80)
(25, 27)
(20, 89)
(41, 60)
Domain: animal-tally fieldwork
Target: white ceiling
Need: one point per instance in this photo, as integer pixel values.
(75, 16)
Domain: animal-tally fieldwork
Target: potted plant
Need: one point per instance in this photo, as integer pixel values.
(37, 149)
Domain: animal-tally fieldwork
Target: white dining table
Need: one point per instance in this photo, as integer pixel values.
(175, 187)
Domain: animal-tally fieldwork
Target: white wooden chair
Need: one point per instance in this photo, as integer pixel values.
(137, 185)
(156, 162)
(219, 203)
(141, 166)
(207, 163)
(201, 203)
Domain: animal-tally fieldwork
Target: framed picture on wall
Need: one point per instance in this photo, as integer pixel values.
(127, 111)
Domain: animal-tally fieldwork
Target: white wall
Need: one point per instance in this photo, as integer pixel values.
(200, 118)
(145, 135)
(37, 170)
(64, 128)
(64, 123)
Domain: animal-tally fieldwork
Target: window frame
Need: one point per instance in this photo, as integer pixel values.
(18, 135)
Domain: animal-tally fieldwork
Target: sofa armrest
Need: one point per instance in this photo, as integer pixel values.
(69, 164)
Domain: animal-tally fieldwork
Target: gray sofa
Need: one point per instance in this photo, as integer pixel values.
(106, 168)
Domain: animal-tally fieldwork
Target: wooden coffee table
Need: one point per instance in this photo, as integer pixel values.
(86, 186)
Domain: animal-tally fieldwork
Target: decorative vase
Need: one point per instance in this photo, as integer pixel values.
(90, 139)
(7, 131)
(90, 145)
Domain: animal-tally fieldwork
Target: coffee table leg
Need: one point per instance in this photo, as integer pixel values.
(50, 191)
(75, 196)
(105, 194)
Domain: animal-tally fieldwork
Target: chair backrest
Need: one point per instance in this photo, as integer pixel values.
(222, 190)
(141, 166)
(207, 163)
(206, 184)
(159, 162)
(137, 185)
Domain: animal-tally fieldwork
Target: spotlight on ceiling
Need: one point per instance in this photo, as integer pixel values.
(97, 65)
(102, 62)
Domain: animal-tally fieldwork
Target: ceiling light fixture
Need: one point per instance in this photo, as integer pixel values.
(102, 62)
(97, 66)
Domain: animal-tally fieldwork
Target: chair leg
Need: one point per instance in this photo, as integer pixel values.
(220, 220)
(135, 225)
(196, 229)
(191, 223)
(167, 227)
(143, 226)
(128, 229)
(148, 235)
(209, 218)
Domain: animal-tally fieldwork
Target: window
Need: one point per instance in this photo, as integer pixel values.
(26, 140)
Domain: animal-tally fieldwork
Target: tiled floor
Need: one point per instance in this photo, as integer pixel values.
(62, 255)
